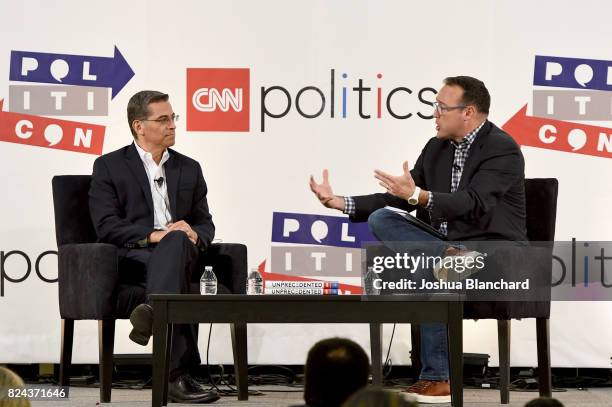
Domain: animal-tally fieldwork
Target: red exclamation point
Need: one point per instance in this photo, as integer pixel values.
(379, 93)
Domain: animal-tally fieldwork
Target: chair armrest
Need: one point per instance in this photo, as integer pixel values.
(229, 261)
(87, 280)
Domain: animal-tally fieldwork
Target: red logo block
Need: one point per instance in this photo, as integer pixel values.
(51, 133)
(559, 135)
(218, 99)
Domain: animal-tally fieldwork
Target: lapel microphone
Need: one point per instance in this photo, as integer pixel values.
(159, 181)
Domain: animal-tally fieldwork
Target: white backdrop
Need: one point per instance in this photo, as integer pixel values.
(252, 174)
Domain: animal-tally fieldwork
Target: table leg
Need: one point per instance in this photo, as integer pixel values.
(455, 345)
(160, 349)
(376, 331)
(415, 351)
(167, 361)
(239, 347)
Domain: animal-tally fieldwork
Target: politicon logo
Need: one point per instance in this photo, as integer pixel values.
(570, 91)
(60, 85)
(218, 99)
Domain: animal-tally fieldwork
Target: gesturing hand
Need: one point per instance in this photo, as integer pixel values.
(401, 186)
(325, 194)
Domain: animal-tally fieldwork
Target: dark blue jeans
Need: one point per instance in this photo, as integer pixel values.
(400, 236)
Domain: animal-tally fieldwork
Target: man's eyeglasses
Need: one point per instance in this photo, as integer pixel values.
(443, 108)
(165, 120)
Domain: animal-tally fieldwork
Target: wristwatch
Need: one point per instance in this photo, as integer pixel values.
(414, 198)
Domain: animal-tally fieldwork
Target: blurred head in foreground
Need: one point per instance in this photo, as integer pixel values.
(335, 369)
(378, 397)
(9, 380)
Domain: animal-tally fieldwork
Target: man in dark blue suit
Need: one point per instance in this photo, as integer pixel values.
(150, 201)
(468, 183)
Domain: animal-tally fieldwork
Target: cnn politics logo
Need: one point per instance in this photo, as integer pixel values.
(218, 99)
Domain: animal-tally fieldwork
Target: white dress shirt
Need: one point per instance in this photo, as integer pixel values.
(159, 190)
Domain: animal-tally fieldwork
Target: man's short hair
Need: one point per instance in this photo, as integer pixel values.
(335, 369)
(138, 106)
(544, 402)
(474, 92)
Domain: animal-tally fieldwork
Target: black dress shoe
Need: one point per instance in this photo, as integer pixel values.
(142, 321)
(186, 390)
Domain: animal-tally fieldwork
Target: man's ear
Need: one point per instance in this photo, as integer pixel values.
(137, 126)
(469, 112)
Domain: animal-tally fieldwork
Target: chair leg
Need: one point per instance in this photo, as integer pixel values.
(543, 339)
(376, 352)
(239, 347)
(106, 344)
(454, 334)
(66, 351)
(503, 340)
(415, 353)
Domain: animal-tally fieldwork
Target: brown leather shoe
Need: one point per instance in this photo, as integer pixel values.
(429, 392)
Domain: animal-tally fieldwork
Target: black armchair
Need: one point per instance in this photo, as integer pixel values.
(541, 203)
(88, 281)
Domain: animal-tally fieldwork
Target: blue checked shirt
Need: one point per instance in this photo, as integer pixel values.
(461, 153)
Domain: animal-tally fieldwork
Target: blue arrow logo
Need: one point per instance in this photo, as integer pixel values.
(81, 70)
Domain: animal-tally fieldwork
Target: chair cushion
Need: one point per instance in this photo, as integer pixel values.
(87, 280)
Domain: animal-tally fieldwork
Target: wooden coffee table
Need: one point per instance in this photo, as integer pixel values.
(239, 310)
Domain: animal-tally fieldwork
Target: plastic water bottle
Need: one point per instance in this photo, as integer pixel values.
(255, 284)
(368, 282)
(208, 282)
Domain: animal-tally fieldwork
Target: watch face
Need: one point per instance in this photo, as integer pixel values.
(412, 201)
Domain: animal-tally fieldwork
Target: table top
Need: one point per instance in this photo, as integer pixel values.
(191, 308)
(447, 297)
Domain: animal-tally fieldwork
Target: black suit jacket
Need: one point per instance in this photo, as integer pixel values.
(489, 203)
(121, 204)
